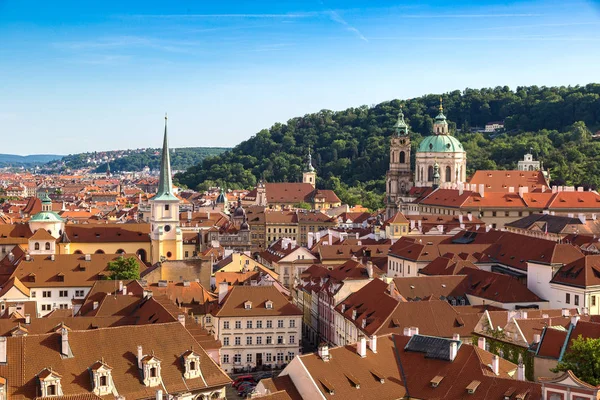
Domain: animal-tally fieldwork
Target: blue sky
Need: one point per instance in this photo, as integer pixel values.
(81, 77)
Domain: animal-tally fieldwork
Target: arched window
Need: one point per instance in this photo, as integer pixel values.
(78, 252)
(99, 251)
(402, 157)
(448, 174)
(430, 174)
(120, 251)
(47, 245)
(141, 253)
(36, 246)
(531, 167)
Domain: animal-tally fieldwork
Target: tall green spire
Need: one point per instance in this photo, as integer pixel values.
(165, 183)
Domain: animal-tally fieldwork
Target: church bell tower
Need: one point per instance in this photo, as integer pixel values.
(167, 240)
(398, 179)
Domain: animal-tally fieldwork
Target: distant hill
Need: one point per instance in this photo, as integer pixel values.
(16, 160)
(134, 160)
(350, 148)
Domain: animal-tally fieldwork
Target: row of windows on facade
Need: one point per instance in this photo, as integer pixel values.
(576, 299)
(61, 293)
(259, 324)
(447, 175)
(237, 340)
(291, 230)
(279, 357)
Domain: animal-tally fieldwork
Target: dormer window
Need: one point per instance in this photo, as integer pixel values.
(102, 382)
(248, 305)
(269, 305)
(151, 370)
(50, 383)
(191, 364)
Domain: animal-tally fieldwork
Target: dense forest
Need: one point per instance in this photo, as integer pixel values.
(136, 160)
(350, 148)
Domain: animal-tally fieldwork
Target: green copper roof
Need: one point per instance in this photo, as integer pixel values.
(46, 216)
(165, 183)
(440, 144)
(222, 199)
(401, 126)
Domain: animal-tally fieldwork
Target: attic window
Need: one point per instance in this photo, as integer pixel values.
(473, 387)
(269, 305)
(248, 305)
(435, 382)
(378, 376)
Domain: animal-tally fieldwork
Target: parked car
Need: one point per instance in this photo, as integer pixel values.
(263, 375)
(244, 384)
(246, 390)
(241, 379)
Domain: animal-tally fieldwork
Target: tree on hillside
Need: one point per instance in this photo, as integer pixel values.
(583, 358)
(124, 268)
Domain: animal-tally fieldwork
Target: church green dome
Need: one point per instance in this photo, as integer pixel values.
(46, 216)
(440, 144)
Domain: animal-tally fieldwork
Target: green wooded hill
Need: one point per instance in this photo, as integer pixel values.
(136, 160)
(351, 147)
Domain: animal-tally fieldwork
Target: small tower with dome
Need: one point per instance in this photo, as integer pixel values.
(445, 150)
(309, 175)
(47, 219)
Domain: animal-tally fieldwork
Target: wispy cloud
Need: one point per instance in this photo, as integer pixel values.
(491, 15)
(338, 18)
(208, 16)
(174, 46)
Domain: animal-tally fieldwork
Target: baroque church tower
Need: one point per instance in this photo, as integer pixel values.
(398, 180)
(167, 240)
(309, 175)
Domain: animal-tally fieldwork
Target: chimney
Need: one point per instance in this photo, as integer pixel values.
(361, 346)
(407, 331)
(51, 257)
(181, 319)
(120, 286)
(487, 228)
(511, 189)
(581, 218)
(64, 341)
(481, 343)
(523, 314)
(223, 288)
(415, 330)
(311, 238)
(456, 336)
(521, 370)
(496, 364)
(585, 311)
(140, 355)
(159, 395)
(441, 228)
(481, 189)
(453, 350)
(370, 269)
(88, 257)
(330, 239)
(412, 224)
(536, 338)
(574, 320)
(95, 305)
(323, 352)
(373, 343)
(27, 319)
(461, 188)
(27, 257)
(124, 291)
(460, 218)
(565, 312)
(189, 215)
(3, 352)
(470, 216)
